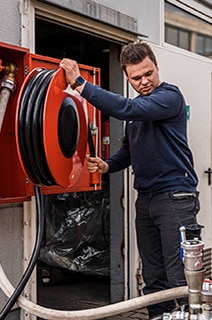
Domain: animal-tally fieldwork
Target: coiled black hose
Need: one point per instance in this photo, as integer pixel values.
(39, 236)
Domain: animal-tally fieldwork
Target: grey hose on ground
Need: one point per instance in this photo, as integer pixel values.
(94, 313)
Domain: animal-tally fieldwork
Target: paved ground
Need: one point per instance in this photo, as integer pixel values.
(78, 292)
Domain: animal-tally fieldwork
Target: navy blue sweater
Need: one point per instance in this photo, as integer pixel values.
(155, 141)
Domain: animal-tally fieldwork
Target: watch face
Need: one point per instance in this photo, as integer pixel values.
(80, 80)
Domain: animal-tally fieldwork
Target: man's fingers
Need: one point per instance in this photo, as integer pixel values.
(90, 159)
(96, 164)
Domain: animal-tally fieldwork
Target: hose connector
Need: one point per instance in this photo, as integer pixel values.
(8, 81)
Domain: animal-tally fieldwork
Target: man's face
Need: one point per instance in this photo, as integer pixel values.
(143, 77)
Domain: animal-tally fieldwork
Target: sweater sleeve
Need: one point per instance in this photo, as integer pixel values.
(164, 102)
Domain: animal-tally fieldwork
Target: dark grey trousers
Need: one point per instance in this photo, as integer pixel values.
(158, 219)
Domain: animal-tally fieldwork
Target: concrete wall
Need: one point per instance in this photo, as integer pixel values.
(146, 12)
(11, 244)
(10, 22)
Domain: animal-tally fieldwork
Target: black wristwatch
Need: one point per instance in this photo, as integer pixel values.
(78, 82)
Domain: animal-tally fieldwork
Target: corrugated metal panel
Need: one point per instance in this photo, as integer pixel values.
(207, 262)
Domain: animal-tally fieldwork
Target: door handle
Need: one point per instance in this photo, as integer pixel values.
(209, 172)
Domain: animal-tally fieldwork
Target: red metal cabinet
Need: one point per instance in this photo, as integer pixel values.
(70, 173)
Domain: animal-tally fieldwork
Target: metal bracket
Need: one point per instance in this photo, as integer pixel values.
(209, 172)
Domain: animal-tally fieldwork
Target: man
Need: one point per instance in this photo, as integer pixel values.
(155, 144)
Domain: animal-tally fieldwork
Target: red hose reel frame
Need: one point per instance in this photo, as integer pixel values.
(71, 174)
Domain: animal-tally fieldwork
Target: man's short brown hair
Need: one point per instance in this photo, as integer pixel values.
(133, 53)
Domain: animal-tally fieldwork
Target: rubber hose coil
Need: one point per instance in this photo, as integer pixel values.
(30, 128)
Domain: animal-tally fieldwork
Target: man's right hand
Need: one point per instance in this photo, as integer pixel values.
(72, 72)
(96, 164)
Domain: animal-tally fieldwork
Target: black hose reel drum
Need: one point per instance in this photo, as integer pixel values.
(51, 130)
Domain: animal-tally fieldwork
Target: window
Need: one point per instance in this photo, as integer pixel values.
(187, 31)
(177, 37)
(203, 45)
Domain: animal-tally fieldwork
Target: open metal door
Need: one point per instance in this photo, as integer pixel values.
(192, 74)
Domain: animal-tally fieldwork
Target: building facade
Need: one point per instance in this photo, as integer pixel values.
(93, 32)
